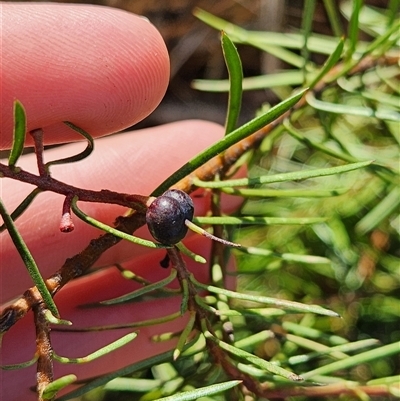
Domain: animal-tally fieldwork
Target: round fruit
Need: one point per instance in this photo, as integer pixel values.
(166, 216)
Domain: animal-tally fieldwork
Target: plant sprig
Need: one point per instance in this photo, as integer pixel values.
(319, 127)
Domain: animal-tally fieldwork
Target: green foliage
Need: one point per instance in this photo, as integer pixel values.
(319, 229)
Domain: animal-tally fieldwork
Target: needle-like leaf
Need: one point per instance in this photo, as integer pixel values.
(19, 133)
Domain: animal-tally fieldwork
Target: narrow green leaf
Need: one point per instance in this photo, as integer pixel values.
(282, 78)
(28, 260)
(254, 339)
(349, 347)
(184, 335)
(172, 386)
(329, 64)
(232, 220)
(263, 364)
(19, 365)
(290, 257)
(185, 296)
(193, 227)
(281, 53)
(165, 372)
(132, 325)
(291, 305)
(310, 332)
(19, 133)
(284, 193)
(205, 306)
(234, 137)
(100, 352)
(234, 66)
(141, 291)
(202, 392)
(353, 28)
(356, 345)
(53, 388)
(334, 17)
(131, 384)
(384, 380)
(388, 205)
(378, 353)
(295, 176)
(190, 254)
(120, 234)
(380, 113)
(393, 10)
(295, 133)
(321, 44)
(306, 27)
(315, 346)
(54, 320)
(85, 153)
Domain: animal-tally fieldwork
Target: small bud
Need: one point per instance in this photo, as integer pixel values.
(66, 224)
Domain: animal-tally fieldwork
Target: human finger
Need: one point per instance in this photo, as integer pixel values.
(101, 68)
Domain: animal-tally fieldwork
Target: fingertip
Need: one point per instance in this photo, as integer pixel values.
(101, 68)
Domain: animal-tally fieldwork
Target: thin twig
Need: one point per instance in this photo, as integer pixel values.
(329, 390)
(37, 135)
(44, 351)
(47, 183)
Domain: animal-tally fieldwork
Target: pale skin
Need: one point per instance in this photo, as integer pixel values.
(104, 70)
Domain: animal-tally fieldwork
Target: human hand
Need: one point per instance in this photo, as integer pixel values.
(104, 70)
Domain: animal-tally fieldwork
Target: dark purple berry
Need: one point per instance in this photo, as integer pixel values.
(166, 217)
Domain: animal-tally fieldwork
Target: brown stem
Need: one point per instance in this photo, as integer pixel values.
(47, 183)
(44, 351)
(37, 135)
(329, 390)
(183, 274)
